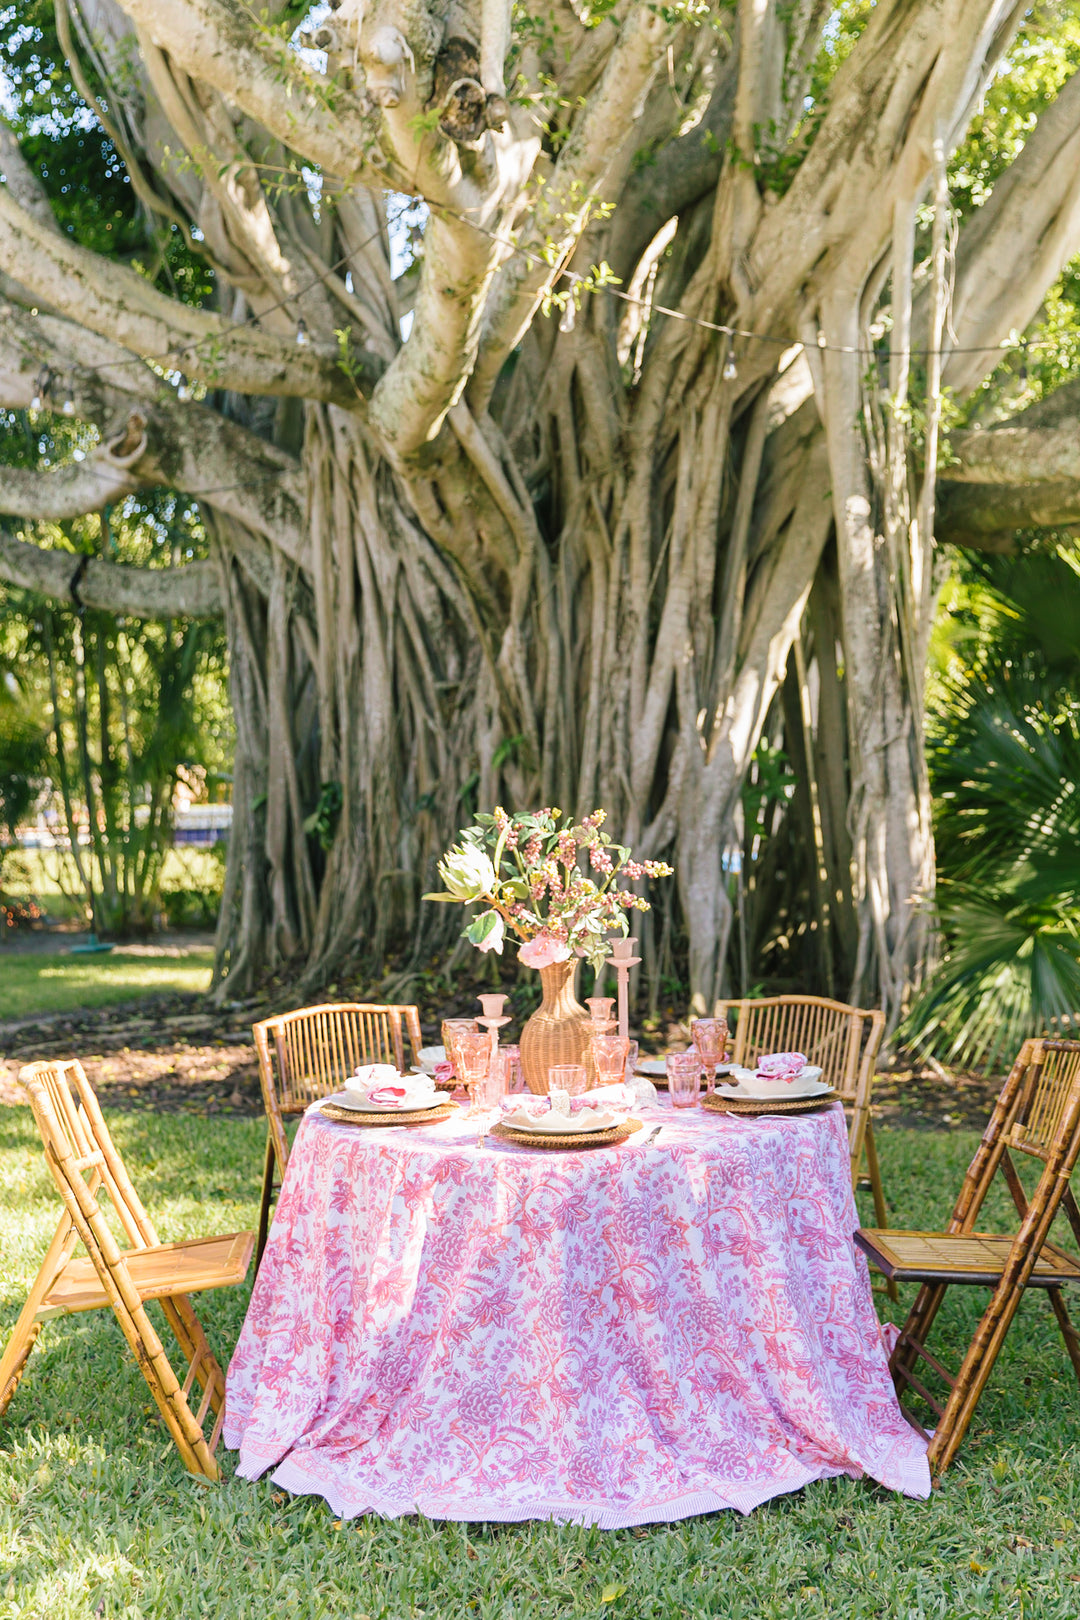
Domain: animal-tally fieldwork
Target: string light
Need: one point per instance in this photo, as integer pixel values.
(569, 315)
(302, 339)
(183, 389)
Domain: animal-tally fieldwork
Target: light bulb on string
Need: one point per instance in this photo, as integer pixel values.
(302, 338)
(68, 407)
(183, 389)
(569, 315)
(731, 371)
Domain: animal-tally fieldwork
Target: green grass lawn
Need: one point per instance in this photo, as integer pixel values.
(46, 983)
(98, 1517)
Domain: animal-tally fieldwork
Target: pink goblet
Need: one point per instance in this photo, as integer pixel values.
(710, 1038)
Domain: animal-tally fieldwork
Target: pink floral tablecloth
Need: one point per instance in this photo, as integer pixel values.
(611, 1337)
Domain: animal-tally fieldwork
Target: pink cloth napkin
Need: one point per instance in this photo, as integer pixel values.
(618, 1096)
(781, 1066)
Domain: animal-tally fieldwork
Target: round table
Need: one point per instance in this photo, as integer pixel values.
(614, 1337)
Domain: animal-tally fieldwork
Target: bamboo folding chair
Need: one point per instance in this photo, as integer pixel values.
(309, 1054)
(1037, 1113)
(842, 1041)
(82, 1159)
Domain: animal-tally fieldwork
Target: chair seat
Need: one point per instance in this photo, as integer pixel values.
(157, 1273)
(959, 1257)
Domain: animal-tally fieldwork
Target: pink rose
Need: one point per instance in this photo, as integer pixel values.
(542, 951)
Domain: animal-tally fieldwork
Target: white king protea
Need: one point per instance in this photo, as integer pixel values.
(466, 872)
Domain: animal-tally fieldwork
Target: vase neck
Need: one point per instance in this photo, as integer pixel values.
(558, 984)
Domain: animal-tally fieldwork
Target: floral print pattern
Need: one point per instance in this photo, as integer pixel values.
(611, 1337)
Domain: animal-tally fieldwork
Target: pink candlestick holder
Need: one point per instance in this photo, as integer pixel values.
(622, 959)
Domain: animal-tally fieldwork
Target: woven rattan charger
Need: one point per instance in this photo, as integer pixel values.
(577, 1139)
(413, 1116)
(766, 1105)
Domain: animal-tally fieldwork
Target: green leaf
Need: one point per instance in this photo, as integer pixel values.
(612, 1593)
(446, 898)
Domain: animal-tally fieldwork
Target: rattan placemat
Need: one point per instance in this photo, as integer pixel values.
(579, 1139)
(765, 1105)
(415, 1116)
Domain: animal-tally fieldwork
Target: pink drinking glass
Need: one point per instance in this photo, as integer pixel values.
(473, 1064)
(684, 1079)
(511, 1075)
(609, 1055)
(710, 1037)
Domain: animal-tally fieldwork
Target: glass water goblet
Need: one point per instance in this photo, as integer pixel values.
(474, 1056)
(710, 1037)
(568, 1077)
(684, 1079)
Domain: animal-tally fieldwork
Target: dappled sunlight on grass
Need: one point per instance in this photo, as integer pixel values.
(45, 983)
(97, 1515)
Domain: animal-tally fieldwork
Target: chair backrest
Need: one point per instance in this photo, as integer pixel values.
(81, 1156)
(842, 1041)
(1046, 1098)
(1037, 1113)
(308, 1054)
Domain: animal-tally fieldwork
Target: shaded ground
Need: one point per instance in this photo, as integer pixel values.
(177, 1054)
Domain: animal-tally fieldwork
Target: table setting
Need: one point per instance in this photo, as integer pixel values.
(495, 1291)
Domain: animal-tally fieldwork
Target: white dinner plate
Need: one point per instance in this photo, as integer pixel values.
(602, 1119)
(429, 1056)
(360, 1104)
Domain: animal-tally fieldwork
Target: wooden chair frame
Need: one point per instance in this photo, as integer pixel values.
(310, 1053)
(82, 1159)
(843, 1041)
(1038, 1114)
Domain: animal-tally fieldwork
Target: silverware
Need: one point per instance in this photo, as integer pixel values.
(653, 1134)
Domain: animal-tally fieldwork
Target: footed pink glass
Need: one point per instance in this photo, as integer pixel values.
(710, 1038)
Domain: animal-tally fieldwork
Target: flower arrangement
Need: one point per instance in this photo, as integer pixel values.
(526, 872)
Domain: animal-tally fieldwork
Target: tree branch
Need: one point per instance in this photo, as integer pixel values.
(560, 214)
(184, 446)
(1011, 248)
(84, 486)
(119, 304)
(193, 592)
(217, 41)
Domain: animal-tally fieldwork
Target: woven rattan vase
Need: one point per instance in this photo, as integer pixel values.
(556, 1031)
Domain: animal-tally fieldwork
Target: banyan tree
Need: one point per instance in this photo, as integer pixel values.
(564, 399)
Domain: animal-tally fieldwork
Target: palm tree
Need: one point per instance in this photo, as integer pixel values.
(1005, 766)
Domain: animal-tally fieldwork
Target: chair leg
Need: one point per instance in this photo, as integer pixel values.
(267, 1197)
(24, 1333)
(974, 1372)
(878, 1191)
(191, 1337)
(1068, 1332)
(920, 1320)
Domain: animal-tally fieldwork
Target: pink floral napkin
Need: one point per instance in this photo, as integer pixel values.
(618, 1096)
(785, 1066)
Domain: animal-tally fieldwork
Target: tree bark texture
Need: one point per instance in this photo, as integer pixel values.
(563, 543)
